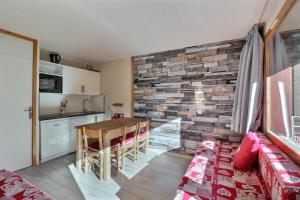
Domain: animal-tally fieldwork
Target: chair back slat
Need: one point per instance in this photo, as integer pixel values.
(130, 130)
(144, 126)
(91, 134)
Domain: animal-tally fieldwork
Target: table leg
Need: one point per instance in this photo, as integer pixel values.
(79, 149)
(106, 155)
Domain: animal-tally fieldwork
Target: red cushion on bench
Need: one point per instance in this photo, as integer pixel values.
(246, 156)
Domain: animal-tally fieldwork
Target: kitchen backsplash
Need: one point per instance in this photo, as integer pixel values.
(50, 103)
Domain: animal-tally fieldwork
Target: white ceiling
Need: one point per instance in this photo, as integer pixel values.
(292, 20)
(100, 30)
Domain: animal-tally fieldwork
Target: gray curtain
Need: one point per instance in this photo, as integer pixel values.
(278, 56)
(247, 109)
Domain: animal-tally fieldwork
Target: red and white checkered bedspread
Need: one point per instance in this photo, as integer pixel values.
(14, 187)
(211, 175)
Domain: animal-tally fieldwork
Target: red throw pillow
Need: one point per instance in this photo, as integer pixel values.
(246, 156)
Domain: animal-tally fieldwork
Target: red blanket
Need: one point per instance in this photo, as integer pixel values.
(14, 187)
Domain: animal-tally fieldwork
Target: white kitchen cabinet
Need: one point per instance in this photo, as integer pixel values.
(72, 80)
(55, 138)
(59, 137)
(50, 68)
(99, 117)
(80, 81)
(91, 82)
(77, 121)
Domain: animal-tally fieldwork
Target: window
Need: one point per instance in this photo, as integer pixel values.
(283, 80)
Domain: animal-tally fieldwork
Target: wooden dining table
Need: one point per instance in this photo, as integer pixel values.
(110, 129)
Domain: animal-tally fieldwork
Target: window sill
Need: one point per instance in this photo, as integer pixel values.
(292, 149)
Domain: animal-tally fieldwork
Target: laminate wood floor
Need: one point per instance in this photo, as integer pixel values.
(157, 180)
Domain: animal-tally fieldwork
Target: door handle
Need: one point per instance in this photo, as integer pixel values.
(29, 110)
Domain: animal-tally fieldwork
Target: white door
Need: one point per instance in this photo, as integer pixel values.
(16, 57)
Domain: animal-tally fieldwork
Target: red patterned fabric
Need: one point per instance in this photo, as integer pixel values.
(14, 187)
(281, 174)
(211, 175)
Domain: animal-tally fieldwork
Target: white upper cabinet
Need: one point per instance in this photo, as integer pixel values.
(75, 80)
(90, 82)
(80, 81)
(72, 80)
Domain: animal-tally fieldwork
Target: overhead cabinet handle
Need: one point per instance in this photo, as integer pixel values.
(82, 89)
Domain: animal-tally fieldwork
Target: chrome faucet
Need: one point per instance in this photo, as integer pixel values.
(63, 106)
(86, 105)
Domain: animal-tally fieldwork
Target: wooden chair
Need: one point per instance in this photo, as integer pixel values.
(125, 145)
(92, 151)
(115, 148)
(143, 137)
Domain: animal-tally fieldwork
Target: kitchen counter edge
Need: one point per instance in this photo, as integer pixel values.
(61, 116)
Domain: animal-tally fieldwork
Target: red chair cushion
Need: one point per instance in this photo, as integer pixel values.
(129, 138)
(94, 146)
(246, 156)
(142, 134)
(115, 142)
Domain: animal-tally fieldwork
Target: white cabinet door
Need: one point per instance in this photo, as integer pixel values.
(72, 80)
(80, 81)
(92, 83)
(55, 138)
(15, 98)
(76, 121)
(99, 117)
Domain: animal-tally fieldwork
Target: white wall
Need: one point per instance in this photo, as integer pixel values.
(116, 83)
(44, 55)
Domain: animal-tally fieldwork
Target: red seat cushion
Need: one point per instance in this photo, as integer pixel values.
(115, 142)
(94, 146)
(142, 134)
(246, 156)
(129, 138)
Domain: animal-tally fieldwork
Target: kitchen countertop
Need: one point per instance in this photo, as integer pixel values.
(68, 115)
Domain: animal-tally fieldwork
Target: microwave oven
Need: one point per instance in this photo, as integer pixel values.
(50, 83)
